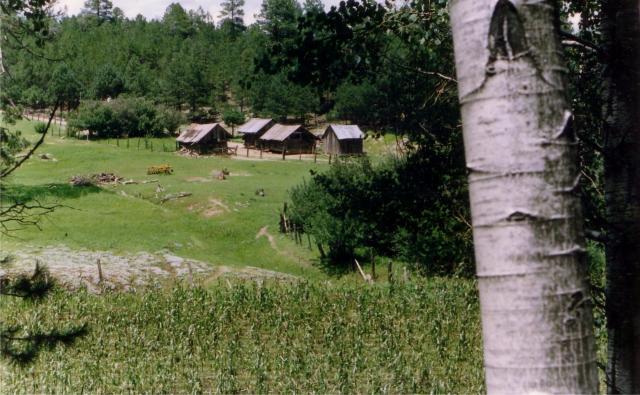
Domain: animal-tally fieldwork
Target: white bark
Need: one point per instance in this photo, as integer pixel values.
(527, 225)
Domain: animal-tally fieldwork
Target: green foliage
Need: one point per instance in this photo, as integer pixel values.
(107, 82)
(134, 117)
(409, 208)
(102, 10)
(232, 15)
(233, 118)
(40, 127)
(421, 337)
(178, 22)
(278, 19)
(64, 88)
(10, 144)
(170, 119)
(357, 103)
(276, 97)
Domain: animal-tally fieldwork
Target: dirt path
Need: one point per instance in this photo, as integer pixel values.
(77, 268)
(254, 154)
(272, 241)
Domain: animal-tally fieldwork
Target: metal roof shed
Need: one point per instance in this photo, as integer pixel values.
(253, 129)
(343, 140)
(204, 137)
(292, 139)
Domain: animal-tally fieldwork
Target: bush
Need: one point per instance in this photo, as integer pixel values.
(40, 127)
(170, 119)
(135, 117)
(413, 209)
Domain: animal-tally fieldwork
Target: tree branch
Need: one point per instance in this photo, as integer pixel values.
(573, 40)
(420, 71)
(38, 143)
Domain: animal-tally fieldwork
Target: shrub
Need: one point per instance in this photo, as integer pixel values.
(40, 127)
(170, 119)
(135, 117)
(413, 209)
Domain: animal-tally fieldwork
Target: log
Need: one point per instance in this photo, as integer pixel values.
(365, 277)
(173, 196)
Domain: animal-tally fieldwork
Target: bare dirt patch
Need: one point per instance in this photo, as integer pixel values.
(264, 233)
(216, 207)
(79, 268)
(198, 179)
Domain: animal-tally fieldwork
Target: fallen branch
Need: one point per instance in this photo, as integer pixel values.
(173, 196)
(365, 277)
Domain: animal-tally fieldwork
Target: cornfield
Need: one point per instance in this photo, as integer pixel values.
(420, 337)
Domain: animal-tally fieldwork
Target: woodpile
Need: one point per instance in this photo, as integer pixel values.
(160, 169)
(95, 179)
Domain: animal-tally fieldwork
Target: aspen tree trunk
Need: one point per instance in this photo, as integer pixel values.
(527, 222)
(621, 28)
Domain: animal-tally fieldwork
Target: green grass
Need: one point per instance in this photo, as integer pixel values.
(419, 337)
(129, 218)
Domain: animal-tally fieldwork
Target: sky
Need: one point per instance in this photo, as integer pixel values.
(155, 8)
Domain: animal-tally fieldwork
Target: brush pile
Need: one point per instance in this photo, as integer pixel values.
(95, 179)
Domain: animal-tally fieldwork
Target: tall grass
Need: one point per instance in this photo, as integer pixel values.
(304, 337)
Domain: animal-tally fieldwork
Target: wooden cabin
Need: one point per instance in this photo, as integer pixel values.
(253, 129)
(288, 139)
(204, 138)
(343, 140)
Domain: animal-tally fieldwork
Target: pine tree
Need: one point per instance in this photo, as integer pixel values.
(232, 13)
(101, 9)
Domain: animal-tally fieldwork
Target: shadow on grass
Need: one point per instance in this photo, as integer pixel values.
(21, 345)
(28, 193)
(331, 268)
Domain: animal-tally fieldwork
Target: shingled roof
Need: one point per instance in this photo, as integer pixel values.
(280, 132)
(345, 132)
(254, 125)
(197, 132)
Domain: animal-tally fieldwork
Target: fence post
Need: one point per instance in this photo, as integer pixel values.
(373, 265)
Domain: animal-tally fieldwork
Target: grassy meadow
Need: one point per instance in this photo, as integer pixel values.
(321, 333)
(217, 224)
